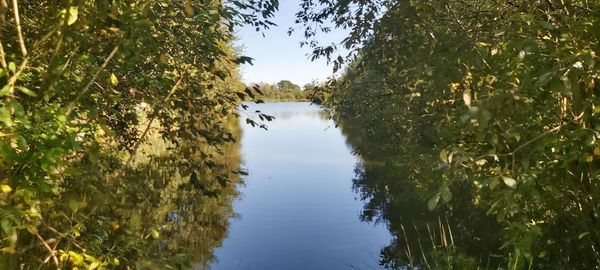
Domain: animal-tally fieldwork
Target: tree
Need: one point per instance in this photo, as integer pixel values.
(286, 85)
(282, 91)
(74, 76)
(495, 96)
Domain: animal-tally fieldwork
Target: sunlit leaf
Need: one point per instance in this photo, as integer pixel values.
(510, 182)
(72, 14)
(5, 188)
(26, 91)
(5, 116)
(113, 79)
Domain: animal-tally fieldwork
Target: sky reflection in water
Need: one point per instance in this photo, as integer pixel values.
(298, 210)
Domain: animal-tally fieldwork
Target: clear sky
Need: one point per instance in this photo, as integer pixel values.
(278, 56)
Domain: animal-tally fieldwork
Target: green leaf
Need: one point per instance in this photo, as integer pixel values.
(483, 118)
(74, 205)
(22, 143)
(26, 91)
(5, 116)
(6, 226)
(510, 182)
(20, 114)
(61, 118)
(446, 195)
(73, 14)
(491, 182)
(433, 202)
(544, 79)
(547, 25)
(12, 67)
(5, 90)
(444, 156)
(155, 234)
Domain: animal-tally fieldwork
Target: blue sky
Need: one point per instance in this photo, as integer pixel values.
(278, 56)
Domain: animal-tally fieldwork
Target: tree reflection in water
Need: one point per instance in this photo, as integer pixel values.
(458, 236)
(191, 206)
(166, 211)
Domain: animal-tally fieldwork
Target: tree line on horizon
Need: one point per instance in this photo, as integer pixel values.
(284, 90)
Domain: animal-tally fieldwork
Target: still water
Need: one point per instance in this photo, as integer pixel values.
(298, 209)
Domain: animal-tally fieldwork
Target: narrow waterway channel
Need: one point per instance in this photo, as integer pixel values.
(297, 209)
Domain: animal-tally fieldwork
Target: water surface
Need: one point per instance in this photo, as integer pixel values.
(298, 209)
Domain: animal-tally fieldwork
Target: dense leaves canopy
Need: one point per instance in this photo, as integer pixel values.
(498, 96)
(83, 85)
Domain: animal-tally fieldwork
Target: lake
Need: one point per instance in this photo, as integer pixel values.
(298, 208)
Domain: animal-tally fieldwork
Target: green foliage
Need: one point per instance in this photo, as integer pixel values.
(75, 78)
(500, 97)
(282, 91)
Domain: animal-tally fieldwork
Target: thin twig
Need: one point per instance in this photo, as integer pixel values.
(520, 147)
(19, 31)
(449, 231)
(409, 253)
(89, 84)
(2, 56)
(13, 79)
(464, 30)
(535, 139)
(421, 246)
(52, 251)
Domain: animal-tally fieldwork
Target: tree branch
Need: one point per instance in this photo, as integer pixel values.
(2, 56)
(52, 251)
(19, 31)
(94, 78)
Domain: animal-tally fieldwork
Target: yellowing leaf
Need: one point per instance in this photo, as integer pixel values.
(163, 58)
(113, 79)
(467, 97)
(583, 235)
(444, 156)
(5, 188)
(94, 265)
(73, 14)
(155, 234)
(454, 87)
(188, 8)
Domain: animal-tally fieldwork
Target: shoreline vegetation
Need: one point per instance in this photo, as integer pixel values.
(485, 110)
(282, 91)
(482, 116)
(88, 180)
